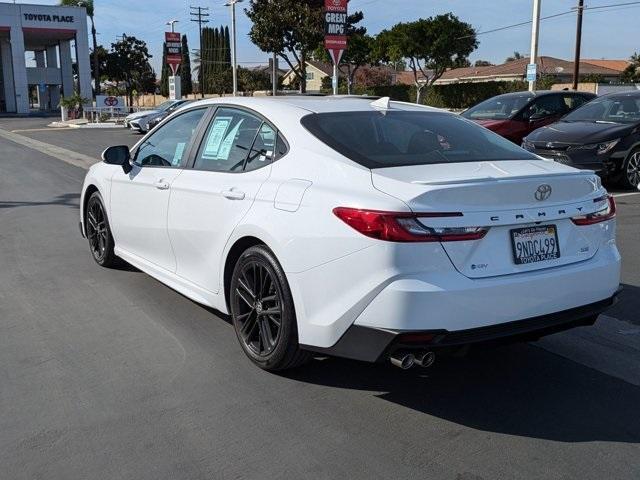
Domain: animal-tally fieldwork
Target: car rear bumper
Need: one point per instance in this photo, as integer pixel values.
(447, 301)
(372, 344)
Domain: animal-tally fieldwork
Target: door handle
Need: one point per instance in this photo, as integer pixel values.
(162, 184)
(233, 194)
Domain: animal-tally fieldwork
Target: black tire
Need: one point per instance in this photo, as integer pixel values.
(262, 311)
(98, 232)
(630, 174)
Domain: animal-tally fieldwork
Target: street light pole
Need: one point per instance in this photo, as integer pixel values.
(576, 61)
(172, 23)
(535, 30)
(234, 62)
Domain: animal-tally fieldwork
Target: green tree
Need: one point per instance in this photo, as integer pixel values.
(102, 55)
(432, 46)
(251, 80)
(88, 5)
(515, 56)
(631, 74)
(128, 62)
(386, 51)
(213, 59)
(185, 68)
(164, 75)
(483, 63)
(220, 82)
(288, 28)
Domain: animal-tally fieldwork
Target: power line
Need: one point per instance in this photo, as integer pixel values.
(528, 22)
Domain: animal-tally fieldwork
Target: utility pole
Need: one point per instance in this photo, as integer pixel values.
(120, 38)
(576, 60)
(234, 60)
(198, 16)
(535, 30)
(274, 74)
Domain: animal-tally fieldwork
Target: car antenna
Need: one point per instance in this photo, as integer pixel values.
(381, 104)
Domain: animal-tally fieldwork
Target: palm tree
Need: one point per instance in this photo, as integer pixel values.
(88, 5)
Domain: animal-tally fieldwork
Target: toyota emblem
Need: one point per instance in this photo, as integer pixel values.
(549, 144)
(111, 101)
(543, 192)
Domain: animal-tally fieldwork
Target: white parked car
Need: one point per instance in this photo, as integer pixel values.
(366, 229)
(139, 121)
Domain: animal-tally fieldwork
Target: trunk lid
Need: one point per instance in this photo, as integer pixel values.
(502, 196)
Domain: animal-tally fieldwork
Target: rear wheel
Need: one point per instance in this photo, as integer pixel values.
(99, 232)
(262, 311)
(631, 170)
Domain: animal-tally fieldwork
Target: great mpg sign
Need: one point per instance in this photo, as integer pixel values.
(335, 28)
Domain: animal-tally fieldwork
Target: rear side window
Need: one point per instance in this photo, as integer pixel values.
(501, 107)
(400, 138)
(228, 141)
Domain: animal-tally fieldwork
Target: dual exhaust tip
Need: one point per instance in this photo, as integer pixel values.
(405, 360)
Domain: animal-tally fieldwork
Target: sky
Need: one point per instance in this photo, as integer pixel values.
(607, 33)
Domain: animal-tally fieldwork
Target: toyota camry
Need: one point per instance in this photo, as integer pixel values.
(356, 227)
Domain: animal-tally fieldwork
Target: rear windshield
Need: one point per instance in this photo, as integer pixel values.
(497, 108)
(609, 109)
(400, 138)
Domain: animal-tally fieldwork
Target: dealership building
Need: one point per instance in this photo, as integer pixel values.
(39, 46)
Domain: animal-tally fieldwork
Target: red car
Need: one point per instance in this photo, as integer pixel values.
(515, 115)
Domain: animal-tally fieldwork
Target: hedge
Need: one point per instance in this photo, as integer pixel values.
(453, 96)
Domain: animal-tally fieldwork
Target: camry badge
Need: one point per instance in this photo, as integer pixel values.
(543, 192)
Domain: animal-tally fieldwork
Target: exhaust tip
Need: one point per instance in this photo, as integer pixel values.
(425, 359)
(403, 360)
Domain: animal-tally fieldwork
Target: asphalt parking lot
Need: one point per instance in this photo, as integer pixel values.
(110, 374)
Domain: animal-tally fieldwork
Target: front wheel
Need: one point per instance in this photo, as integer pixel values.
(99, 232)
(631, 170)
(263, 313)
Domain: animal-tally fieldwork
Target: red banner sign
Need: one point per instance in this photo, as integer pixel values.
(335, 28)
(174, 50)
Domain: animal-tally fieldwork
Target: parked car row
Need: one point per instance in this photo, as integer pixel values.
(573, 128)
(144, 120)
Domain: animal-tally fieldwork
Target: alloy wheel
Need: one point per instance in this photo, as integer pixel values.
(96, 229)
(633, 169)
(259, 308)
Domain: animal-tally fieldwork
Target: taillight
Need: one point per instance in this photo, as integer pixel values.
(602, 215)
(405, 227)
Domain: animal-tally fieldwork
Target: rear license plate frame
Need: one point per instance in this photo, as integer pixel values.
(534, 258)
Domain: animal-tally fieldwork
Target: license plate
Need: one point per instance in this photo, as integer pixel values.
(535, 244)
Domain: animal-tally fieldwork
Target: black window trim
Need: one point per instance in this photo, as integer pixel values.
(186, 155)
(203, 132)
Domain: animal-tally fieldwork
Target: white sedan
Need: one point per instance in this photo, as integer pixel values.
(372, 230)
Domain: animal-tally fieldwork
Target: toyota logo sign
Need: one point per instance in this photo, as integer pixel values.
(111, 101)
(543, 192)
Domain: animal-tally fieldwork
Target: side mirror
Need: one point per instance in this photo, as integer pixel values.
(118, 155)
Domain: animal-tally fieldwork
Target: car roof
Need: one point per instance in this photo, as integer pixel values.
(632, 94)
(540, 93)
(315, 104)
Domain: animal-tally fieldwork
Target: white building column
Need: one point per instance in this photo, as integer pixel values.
(43, 95)
(84, 64)
(52, 62)
(7, 75)
(66, 68)
(19, 71)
